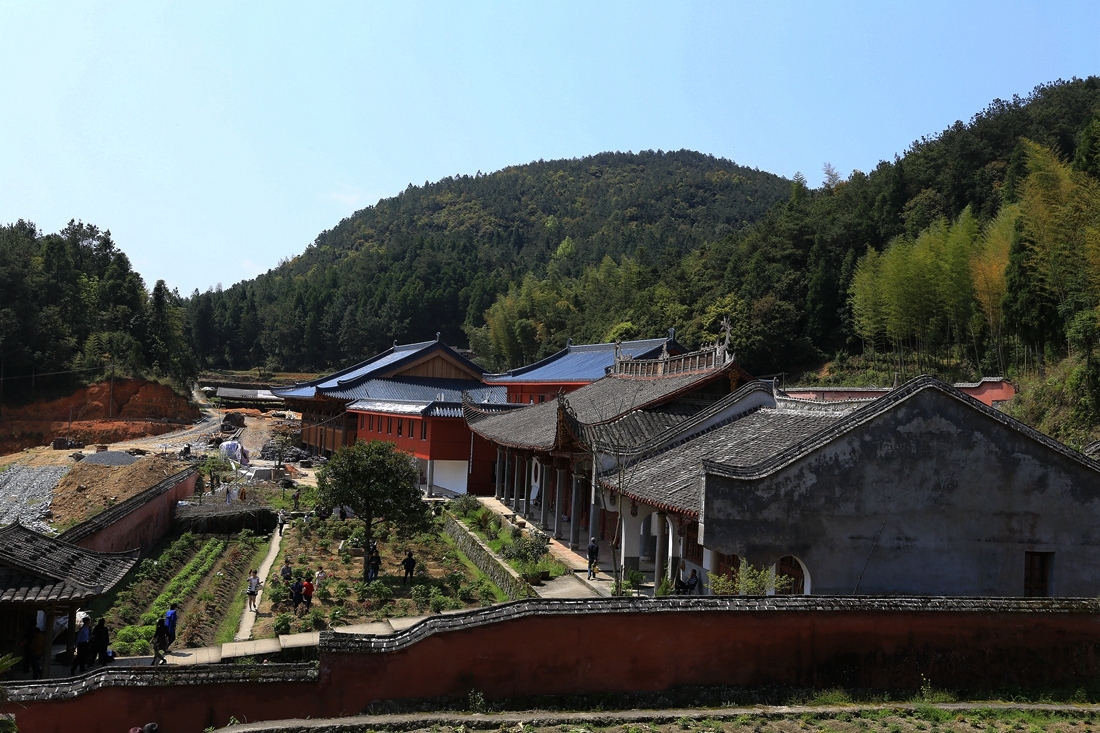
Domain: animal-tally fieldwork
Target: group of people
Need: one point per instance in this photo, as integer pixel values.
(91, 645)
(301, 590)
(165, 634)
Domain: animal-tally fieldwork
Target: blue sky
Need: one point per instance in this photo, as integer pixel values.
(214, 139)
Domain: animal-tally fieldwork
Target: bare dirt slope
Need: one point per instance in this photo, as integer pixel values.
(89, 489)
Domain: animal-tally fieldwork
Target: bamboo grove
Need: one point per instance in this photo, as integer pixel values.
(1000, 296)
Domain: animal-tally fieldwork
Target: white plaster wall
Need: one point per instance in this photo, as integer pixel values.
(450, 475)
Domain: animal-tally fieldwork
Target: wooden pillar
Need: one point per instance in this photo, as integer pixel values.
(544, 494)
(431, 476)
(498, 483)
(559, 502)
(660, 557)
(526, 488)
(575, 515)
(47, 633)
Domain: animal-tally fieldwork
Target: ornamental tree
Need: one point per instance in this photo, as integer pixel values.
(380, 484)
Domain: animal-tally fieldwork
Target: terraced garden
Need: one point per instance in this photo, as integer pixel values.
(204, 575)
(444, 579)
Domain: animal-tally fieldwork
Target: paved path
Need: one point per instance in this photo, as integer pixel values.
(606, 719)
(581, 587)
(248, 618)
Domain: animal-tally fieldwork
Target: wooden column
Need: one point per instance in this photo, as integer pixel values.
(660, 557)
(544, 493)
(559, 503)
(497, 482)
(47, 634)
(575, 515)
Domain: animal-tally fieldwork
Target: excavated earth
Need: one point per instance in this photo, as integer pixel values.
(88, 489)
(133, 408)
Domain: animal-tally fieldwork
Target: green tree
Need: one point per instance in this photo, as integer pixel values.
(379, 483)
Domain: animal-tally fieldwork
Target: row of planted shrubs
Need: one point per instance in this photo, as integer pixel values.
(527, 552)
(136, 639)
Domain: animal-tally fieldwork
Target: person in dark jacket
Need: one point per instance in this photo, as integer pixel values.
(160, 643)
(409, 563)
(593, 557)
(83, 646)
(296, 595)
(101, 639)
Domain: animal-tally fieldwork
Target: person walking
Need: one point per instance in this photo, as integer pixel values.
(374, 564)
(296, 496)
(593, 557)
(171, 619)
(296, 595)
(83, 643)
(160, 643)
(409, 563)
(307, 594)
(282, 521)
(253, 589)
(101, 639)
(37, 645)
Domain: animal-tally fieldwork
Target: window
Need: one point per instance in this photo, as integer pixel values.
(1038, 567)
(542, 398)
(389, 426)
(370, 422)
(399, 421)
(423, 429)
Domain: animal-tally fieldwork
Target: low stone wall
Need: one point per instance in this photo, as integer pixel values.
(608, 645)
(507, 580)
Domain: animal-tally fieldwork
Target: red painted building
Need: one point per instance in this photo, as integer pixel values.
(410, 395)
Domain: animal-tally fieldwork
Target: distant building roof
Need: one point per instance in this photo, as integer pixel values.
(346, 384)
(538, 427)
(260, 395)
(427, 397)
(585, 363)
(38, 569)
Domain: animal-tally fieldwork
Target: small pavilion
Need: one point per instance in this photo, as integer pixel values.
(44, 575)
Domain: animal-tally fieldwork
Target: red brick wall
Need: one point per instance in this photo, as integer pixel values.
(144, 526)
(630, 651)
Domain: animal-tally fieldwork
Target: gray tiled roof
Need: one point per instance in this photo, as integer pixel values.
(38, 569)
(851, 421)
(538, 427)
(670, 478)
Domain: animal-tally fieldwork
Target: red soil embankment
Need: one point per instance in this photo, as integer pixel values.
(140, 408)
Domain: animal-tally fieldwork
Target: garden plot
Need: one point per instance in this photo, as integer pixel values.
(444, 579)
(26, 493)
(204, 575)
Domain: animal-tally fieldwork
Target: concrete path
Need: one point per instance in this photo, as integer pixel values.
(565, 586)
(248, 618)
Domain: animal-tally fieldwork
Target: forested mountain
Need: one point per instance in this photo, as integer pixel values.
(621, 245)
(72, 308)
(435, 257)
(785, 282)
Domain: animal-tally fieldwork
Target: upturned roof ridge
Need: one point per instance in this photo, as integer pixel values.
(875, 409)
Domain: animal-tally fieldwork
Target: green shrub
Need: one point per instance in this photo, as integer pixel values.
(317, 619)
(336, 616)
(464, 505)
(421, 595)
(282, 623)
(528, 548)
(379, 591)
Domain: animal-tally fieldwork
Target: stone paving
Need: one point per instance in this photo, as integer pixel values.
(26, 493)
